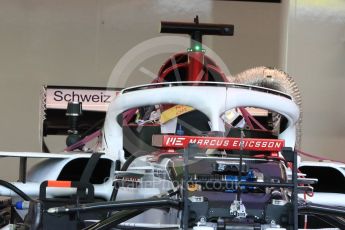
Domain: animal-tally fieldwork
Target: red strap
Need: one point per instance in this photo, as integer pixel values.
(317, 157)
(245, 115)
(249, 118)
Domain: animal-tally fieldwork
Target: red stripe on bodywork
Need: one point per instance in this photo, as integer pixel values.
(59, 184)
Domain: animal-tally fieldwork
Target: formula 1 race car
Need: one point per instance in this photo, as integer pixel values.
(194, 149)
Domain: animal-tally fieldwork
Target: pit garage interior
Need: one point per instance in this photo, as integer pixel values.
(92, 43)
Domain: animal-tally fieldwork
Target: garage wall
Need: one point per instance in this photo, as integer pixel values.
(79, 42)
(316, 58)
(260, 34)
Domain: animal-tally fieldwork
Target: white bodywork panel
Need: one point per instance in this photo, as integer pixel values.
(336, 165)
(49, 170)
(64, 155)
(326, 198)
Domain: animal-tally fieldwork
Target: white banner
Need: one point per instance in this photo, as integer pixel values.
(92, 99)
